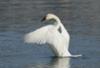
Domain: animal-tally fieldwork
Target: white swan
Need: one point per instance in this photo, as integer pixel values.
(54, 34)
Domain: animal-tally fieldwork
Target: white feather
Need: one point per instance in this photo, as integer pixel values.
(39, 36)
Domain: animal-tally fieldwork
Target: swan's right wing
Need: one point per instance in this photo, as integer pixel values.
(39, 36)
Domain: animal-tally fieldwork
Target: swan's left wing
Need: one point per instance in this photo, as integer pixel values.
(39, 36)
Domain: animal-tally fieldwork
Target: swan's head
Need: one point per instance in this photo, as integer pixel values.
(50, 16)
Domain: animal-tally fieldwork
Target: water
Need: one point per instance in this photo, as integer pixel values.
(18, 17)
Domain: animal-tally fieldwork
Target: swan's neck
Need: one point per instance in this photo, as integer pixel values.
(63, 30)
(60, 26)
(57, 22)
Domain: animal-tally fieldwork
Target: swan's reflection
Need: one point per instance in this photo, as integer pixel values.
(60, 63)
(54, 63)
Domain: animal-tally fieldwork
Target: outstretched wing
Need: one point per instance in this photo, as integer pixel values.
(39, 36)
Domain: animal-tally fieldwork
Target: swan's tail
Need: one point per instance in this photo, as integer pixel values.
(70, 56)
(76, 55)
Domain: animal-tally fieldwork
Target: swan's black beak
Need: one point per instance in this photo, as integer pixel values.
(44, 18)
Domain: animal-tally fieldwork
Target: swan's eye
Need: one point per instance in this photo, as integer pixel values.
(59, 29)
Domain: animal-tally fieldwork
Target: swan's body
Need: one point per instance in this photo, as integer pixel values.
(55, 35)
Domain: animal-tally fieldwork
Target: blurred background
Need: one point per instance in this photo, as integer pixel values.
(80, 17)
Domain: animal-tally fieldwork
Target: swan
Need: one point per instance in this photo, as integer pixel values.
(54, 34)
